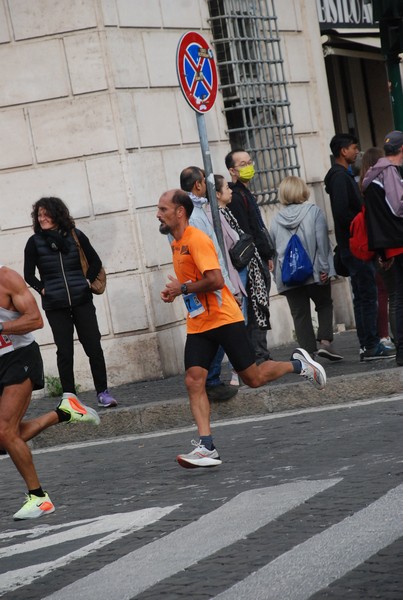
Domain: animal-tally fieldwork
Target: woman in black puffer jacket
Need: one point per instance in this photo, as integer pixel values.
(65, 291)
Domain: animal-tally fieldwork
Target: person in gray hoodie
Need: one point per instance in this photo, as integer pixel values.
(383, 197)
(308, 221)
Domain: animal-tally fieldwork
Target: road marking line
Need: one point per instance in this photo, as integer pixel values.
(242, 515)
(227, 422)
(325, 557)
(215, 425)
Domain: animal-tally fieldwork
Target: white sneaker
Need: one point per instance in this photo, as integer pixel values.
(387, 342)
(311, 370)
(34, 507)
(199, 457)
(234, 378)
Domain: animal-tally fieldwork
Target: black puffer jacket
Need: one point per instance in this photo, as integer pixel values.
(57, 259)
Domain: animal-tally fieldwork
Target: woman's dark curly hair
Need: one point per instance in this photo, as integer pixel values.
(57, 211)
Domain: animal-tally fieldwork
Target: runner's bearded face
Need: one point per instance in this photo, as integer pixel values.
(166, 215)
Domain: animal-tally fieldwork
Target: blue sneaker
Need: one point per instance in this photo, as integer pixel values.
(378, 352)
(106, 400)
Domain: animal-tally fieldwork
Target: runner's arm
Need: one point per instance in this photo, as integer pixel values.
(212, 280)
(21, 300)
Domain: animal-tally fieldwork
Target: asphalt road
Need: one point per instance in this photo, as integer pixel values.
(307, 504)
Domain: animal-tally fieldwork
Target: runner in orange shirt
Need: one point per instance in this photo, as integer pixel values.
(213, 319)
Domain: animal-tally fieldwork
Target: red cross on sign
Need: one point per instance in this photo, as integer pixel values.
(196, 71)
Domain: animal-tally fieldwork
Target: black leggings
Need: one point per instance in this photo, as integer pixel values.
(62, 322)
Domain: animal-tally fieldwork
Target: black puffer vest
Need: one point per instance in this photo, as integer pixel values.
(61, 274)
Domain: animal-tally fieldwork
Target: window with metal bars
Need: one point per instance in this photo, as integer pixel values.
(252, 82)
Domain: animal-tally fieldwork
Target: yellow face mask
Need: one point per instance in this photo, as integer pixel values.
(246, 173)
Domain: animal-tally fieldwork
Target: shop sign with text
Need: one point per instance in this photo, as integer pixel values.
(340, 14)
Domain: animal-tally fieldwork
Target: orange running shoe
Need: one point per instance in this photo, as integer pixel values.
(79, 412)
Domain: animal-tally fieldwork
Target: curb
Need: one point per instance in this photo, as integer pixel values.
(172, 414)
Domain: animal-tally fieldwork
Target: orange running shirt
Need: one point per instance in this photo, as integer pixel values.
(194, 254)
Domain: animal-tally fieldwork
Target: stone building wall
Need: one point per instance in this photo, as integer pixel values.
(91, 111)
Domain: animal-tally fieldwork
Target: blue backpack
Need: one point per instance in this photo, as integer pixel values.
(297, 265)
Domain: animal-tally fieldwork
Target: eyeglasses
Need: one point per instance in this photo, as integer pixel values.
(244, 164)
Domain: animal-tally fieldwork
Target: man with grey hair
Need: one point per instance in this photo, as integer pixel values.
(193, 182)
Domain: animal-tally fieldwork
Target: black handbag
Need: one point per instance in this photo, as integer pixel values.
(242, 252)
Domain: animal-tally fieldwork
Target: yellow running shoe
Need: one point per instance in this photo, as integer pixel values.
(35, 506)
(79, 412)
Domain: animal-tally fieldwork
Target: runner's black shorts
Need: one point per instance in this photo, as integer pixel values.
(21, 364)
(201, 348)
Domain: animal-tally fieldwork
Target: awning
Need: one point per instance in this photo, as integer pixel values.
(352, 44)
(373, 42)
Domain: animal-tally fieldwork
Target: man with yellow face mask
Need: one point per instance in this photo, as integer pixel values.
(246, 211)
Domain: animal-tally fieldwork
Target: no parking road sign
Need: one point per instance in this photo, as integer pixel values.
(197, 71)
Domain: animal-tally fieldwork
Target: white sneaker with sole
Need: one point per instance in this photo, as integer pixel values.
(199, 457)
(35, 506)
(311, 370)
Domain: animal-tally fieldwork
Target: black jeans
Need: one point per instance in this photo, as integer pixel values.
(365, 299)
(398, 269)
(62, 322)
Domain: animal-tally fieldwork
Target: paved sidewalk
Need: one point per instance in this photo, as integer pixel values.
(160, 405)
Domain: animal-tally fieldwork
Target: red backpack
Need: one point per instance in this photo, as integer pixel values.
(359, 237)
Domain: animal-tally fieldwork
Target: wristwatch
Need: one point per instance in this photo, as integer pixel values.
(1, 327)
(184, 288)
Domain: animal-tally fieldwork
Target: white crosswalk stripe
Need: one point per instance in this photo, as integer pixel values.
(237, 518)
(324, 558)
(295, 575)
(109, 527)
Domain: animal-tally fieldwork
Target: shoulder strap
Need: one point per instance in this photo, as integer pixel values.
(75, 238)
(83, 258)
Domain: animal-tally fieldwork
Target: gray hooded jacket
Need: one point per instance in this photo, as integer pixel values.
(308, 221)
(385, 174)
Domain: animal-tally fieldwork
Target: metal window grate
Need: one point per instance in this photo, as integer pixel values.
(254, 89)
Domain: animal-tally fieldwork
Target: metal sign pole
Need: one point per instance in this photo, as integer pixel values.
(197, 75)
(211, 191)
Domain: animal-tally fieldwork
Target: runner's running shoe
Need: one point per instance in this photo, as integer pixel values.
(35, 506)
(312, 371)
(199, 457)
(79, 412)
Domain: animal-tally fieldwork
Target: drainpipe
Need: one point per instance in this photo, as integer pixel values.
(389, 13)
